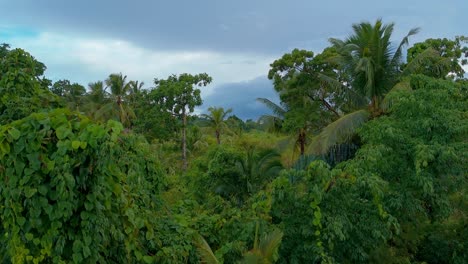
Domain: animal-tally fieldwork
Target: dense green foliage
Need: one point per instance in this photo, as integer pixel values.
(408, 177)
(22, 90)
(453, 54)
(364, 160)
(70, 185)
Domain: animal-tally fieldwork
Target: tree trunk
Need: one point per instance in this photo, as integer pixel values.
(329, 107)
(218, 137)
(374, 104)
(121, 110)
(302, 141)
(184, 141)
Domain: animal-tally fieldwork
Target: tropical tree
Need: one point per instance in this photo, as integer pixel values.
(259, 167)
(95, 99)
(308, 102)
(235, 174)
(134, 92)
(113, 99)
(294, 121)
(236, 125)
(97, 92)
(119, 90)
(196, 139)
(453, 54)
(274, 121)
(178, 96)
(373, 67)
(264, 251)
(135, 87)
(216, 120)
(153, 120)
(297, 77)
(72, 93)
(369, 57)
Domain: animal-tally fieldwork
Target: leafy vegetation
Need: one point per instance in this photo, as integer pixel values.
(363, 160)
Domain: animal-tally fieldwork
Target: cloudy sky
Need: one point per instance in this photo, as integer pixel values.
(233, 41)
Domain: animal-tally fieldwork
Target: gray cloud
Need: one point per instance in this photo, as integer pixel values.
(262, 26)
(241, 97)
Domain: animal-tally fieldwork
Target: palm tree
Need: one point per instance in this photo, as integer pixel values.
(265, 249)
(119, 89)
(115, 103)
(263, 252)
(96, 99)
(196, 140)
(374, 67)
(135, 87)
(368, 55)
(274, 121)
(134, 90)
(216, 119)
(236, 175)
(97, 92)
(259, 167)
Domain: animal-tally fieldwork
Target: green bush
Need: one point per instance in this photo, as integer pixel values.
(74, 191)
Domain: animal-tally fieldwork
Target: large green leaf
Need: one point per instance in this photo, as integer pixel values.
(339, 131)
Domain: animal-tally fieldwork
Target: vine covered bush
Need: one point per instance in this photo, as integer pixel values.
(23, 89)
(74, 191)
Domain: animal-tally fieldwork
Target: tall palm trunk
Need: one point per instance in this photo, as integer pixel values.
(302, 141)
(184, 140)
(121, 110)
(218, 137)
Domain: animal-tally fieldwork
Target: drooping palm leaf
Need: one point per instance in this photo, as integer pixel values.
(387, 101)
(419, 61)
(339, 131)
(354, 99)
(204, 250)
(272, 122)
(275, 108)
(265, 250)
(270, 243)
(404, 42)
(106, 111)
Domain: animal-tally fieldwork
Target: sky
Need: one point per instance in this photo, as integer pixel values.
(233, 41)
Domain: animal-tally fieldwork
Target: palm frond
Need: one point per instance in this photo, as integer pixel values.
(106, 111)
(369, 69)
(204, 250)
(270, 243)
(331, 82)
(338, 43)
(419, 61)
(439, 65)
(276, 109)
(404, 42)
(252, 258)
(388, 101)
(338, 132)
(353, 98)
(268, 163)
(272, 124)
(265, 250)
